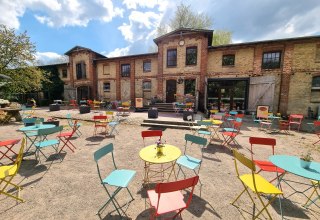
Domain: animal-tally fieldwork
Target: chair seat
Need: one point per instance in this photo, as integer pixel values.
(31, 134)
(204, 132)
(189, 162)
(263, 186)
(119, 178)
(266, 122)
(113, 123)
(230, 134)
(47, 143)
(168, 201)
(8, 170)
(268, 166)
(229, 130)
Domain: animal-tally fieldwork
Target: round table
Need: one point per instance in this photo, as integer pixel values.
(13, 112)
(166, 161)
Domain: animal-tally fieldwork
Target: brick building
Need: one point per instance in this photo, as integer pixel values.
(283, 74)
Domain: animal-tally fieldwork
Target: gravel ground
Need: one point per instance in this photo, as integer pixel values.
(71, 189)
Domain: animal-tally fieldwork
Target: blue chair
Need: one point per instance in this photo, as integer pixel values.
(206, 128)
(119, 178)
(188, 161)
(71, 124)
(45, 142)
(31, 135)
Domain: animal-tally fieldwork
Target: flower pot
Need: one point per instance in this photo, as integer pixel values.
(305, 164)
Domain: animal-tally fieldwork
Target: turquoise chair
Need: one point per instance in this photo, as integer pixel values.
(119, 178)
(32, 135)
(71, 124)
(206, 125)
(188, 161)
(45, 142)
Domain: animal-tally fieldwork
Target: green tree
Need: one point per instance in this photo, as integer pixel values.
(221, 37)
(17, 60)
(184, 17)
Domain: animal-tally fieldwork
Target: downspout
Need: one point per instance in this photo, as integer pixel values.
(205, 95)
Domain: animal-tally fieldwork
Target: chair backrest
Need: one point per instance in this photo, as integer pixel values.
(110, 114)
(100, 117)
(177, 186)
(20, 154)
(297, 118)
(31, 120)
(73, 102)
(205, 123)
(243, 160)
(75, 127)
(47, 131)
(195, 139)
(262, 141)
(105, 150)
(216, 117)
(151, 133)
(237, 125)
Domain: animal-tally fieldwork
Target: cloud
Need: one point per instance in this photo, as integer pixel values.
(117, 52)
(56, 13)
(134, 4)
(45, 58)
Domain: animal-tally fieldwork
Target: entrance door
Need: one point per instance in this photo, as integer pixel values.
(171, 89)
(83, 92)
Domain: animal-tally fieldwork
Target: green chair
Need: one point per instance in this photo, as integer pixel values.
(119, 178)
(31, 135)
(45, 142)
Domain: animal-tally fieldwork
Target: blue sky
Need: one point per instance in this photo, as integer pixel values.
(116, 28)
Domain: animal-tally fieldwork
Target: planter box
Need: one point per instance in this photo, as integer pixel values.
(153, 113)
(186, 114)
(56, 123)
(84, 109)
(54, 107)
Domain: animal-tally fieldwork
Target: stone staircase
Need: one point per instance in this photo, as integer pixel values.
(162, 107)
(165, 124)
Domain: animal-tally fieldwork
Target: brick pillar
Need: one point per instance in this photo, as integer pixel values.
(257, 62)
(203, 70)
(285, 78)
(71, 70)
(93, 74)
(118, 81)
(160, 70)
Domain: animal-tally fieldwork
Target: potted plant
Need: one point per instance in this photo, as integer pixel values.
(305, 160)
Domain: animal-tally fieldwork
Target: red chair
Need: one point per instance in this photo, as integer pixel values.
(317, 130)
(100, 121)
(265, 165)
(73, 103)
(66, 136)
(151, 133)
(295, 119)
(8, 144)
(167, 197)
(230, 135)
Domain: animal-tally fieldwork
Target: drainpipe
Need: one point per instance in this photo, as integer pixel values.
(205, 95)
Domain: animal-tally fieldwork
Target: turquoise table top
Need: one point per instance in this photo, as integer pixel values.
(233, 112)
(292, 165)
(34, 128)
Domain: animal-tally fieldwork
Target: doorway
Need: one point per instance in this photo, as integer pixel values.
(227, 95)
(83, 92)
(171, 90)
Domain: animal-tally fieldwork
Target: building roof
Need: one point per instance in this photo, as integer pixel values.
(186, 31)
(79, 48)
(128, 56)
(265, 41)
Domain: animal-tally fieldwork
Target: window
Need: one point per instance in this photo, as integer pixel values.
(191, 56)
(271, 60)
(190, 86)
(316, 82)
(228, 60)
(146, 85)
(106, 87)
(106, 69)
(147, 66)
(125, 70)
(172, 58)
(64, 73)
(81, 70)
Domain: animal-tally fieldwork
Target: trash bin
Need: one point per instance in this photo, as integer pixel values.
(153, 113)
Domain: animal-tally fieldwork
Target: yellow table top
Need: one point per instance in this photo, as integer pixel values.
(215, 122)
(170, 153)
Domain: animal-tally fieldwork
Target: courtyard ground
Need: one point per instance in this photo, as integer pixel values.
(71, 189)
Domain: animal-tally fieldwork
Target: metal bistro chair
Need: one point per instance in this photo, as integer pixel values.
(151, 133)
(118, 178)
(71, 124)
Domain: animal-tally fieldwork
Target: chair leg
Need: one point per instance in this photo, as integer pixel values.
(265, 206)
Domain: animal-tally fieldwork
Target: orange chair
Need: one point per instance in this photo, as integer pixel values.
(265, 165)
(295, 119)
(151, 133)
(317, 130)
(100, 121)
(167, 197)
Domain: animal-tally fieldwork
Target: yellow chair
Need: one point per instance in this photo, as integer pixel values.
(316, 185)
(256, 183)
(110, 115)
(96, 104)
(7, 173)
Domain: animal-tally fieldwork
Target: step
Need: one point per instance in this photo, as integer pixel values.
(165, 126)
(154, 121)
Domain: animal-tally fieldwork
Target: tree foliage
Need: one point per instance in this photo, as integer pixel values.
(184, 17)
(221, 37)
(16, 60)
